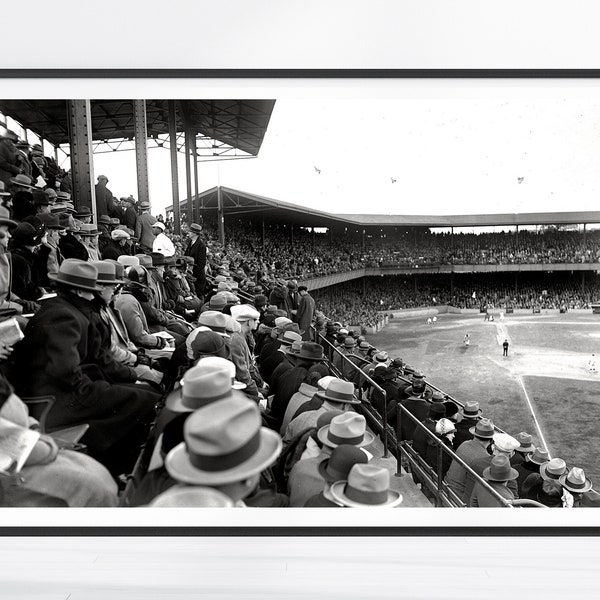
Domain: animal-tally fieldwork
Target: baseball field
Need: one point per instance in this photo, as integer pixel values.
(543, 387)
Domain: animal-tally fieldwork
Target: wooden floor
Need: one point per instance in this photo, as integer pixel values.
(263, 568)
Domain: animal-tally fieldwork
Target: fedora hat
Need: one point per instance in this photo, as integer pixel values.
(107, 272)
(215, 320)
(50, 221)
(553, 470)
(324, 382)
(205, 383)
(191, 496)
(128, 261)
(483, 429)
(158, 259)
(196, 228)
(88, 230)
(525, 442)
(224, 443)
(144, 205)
(3, 191)
(471, 410)
(500, 470)
(575, 481)
(63, 196)
(104, 219)
(207, 342)
(83, 211)
(217, 361)
(307, 351)
(347, 428)
(77, 274)
(5, 218)
(381, 356)
(281, 321)
(145, 260)
(367, 485)
(26, 234)
(349, 342)
(217, 302)
(337, 466)
(22, 181)
(40, 198)
(539, 457)
(339, 390)
(287, 338)
(437, 410)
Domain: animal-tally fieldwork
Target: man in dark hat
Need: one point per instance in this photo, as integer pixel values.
(291, 299)
(9, 157)
(41, 202)
(104, 201)
(25, 239)
(130, 215)
(306, 311)
(196, 248)
(66, 354)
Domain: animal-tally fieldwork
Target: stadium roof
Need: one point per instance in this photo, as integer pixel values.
(237, 202)
(239, 123)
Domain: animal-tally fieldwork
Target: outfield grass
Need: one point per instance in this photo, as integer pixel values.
(547, 359)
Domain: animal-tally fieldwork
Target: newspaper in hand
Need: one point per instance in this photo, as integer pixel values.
(16, 443)
(10, 332)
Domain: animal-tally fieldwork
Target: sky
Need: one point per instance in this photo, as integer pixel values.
(408, 147)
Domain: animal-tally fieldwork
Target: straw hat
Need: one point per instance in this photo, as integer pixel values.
(366, 486)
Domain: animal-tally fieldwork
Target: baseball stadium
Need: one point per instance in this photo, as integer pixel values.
(242, 350)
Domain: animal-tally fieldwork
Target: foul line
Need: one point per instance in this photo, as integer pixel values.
(533, 415)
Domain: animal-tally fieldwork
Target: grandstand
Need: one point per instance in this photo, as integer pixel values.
(368, 273)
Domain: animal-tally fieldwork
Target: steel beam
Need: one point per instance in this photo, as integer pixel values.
(174, 170)
(221, 216)
(141, 150)
(82, 165)
(197, 218)
(188, 177)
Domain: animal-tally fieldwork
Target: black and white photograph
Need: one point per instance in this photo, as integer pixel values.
(381, 298)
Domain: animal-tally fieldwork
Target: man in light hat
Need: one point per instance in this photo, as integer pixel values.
(247, 317)
(161, 242)
(305, 479)
(574, 484)
(367, 486)
(468, 415)
(210, 455)
(89, 238)
(117, 246)
(62, 339)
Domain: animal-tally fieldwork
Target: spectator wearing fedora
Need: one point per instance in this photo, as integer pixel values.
(307, 390)
(306, 311)
(497, 475)
(337, 395)
(89, 238)
(468, 415)
(104, 229)
(305, 480)
(196, 249)
(291, 299)
(533, 481)
(66, 353)
(9, 157)
(444, 431)
(41, 202)
(574, 484)
(104, 197)
(308, 354)
(224, 448)
(69, 245)
(143, 227)
(335, 468)
(247, 317)
(53, 475)
(25, 283)
(124, 351)
(345, 365)
(418, 388)
(367, 486)
(49, 256)
(161, 242)
(471, 452)
(273, 352)
(129, 215)
(385, 378)
(421, 440)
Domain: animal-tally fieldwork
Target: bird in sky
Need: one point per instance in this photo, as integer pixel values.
(520, 179)
(393, 180)
(317, 170)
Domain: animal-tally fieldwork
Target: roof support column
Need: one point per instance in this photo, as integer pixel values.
(220, 216)
(584, 237)
(174, 170)
(141, 150)
(82, 157)
(263, 231)
(196, 217)
(188, 177)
